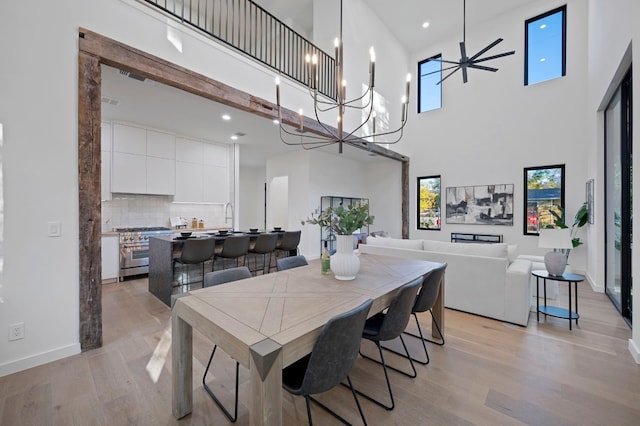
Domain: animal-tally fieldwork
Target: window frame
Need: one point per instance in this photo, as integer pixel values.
(562, 9)
(419, 103)
(526, 193)
(439, 217)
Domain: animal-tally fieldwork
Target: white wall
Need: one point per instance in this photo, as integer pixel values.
(385, 197)
(252, 197)
(492, 127)
(612, 29)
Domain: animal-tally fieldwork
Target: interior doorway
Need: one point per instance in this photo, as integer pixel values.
(619, 198)
(278, 204)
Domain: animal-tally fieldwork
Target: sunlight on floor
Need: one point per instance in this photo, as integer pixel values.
(159, 356)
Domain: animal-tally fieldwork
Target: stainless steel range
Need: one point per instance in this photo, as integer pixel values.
(134, 249)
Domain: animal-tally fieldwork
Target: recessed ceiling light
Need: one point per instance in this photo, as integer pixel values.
(275, 121)
(543, 26)
(226, 117)
(425, 24)
(234, 137)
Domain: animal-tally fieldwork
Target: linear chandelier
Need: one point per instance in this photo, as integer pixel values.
(298, 135)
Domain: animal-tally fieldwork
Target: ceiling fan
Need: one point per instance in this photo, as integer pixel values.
(465, 61)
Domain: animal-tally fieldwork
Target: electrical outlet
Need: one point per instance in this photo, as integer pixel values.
(16, 331)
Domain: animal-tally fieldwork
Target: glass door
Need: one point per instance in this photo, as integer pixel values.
(618, 198)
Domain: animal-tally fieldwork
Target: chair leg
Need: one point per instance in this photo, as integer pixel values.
(333, 413)
(386, 376)
(422, 340)
(421, 336)
(213, 396)
(405, 355)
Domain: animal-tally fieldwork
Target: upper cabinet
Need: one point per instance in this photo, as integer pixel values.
(148, 161)
(202, 172)
(143, 161)
(105, 167)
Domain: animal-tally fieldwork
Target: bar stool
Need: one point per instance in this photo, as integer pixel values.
(289, 242)
(265, 244)
(195, 251)
(234, 247)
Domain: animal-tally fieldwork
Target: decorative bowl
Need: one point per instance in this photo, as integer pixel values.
(253, 229)
(277, 228)
(186, 234)
(223, 231)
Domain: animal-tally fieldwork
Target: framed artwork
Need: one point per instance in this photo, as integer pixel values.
(480, 205)
(589, 199)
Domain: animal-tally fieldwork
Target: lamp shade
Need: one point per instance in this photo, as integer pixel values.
(555, 238)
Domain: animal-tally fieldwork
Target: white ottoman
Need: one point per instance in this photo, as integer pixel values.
(537, 263)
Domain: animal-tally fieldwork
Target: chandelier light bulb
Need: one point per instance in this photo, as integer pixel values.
(314, 59)
(336, 42)
(307, 58)
(278, 80)
(372, 54)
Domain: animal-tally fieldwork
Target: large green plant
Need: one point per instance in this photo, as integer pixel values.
(340, 220)
(581, 218)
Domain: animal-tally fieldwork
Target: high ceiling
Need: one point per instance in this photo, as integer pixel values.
(159, 106)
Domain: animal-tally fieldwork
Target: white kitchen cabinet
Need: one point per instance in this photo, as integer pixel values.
(129, 139)
(189, 182)
(215, 155)
(161, 145)
(129, 173)
(189, 151)
(110, 258)
(143, 161)
(161, 176)
(216, 184)
(105, 156)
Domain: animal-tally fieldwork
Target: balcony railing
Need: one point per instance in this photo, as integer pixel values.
(247, 27)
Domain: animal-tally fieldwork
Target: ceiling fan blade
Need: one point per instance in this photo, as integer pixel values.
(443, 61)
(500, 55)
(449, 75)
(464, 74)
(463, 51)
(481, 67)
(443, 69)
(485, 49)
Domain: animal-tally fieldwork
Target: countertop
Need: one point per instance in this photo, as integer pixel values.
(176, 231)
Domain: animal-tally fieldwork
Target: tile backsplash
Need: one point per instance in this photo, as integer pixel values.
(128, 210)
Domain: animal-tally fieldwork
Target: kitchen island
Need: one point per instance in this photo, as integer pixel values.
(163, 249)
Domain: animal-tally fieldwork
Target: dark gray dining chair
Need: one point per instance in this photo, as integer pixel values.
(425, 301)
(211, 279)
(234, 247)
(195, 251)
(331, 360)
(388, 325)
(265, 245)
(291, 262)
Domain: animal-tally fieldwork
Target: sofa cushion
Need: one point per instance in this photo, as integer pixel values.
(474, 249)
(396, 243)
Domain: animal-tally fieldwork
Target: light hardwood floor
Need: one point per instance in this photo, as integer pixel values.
(488, 373)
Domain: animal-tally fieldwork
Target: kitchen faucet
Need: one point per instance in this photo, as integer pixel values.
(227, 217)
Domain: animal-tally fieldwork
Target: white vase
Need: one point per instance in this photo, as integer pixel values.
(344, 263)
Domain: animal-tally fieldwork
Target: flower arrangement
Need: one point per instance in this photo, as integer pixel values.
(340, 220)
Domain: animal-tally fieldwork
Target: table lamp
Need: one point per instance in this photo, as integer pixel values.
(559, 240)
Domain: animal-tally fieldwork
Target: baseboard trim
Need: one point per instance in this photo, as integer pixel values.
(635, 351)
(39, 359)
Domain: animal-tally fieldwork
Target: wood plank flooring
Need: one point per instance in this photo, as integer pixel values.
(488, 373)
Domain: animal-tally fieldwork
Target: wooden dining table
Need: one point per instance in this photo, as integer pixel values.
(270, 321)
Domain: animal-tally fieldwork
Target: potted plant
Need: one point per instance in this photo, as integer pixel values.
(581, 218)
(343, 222)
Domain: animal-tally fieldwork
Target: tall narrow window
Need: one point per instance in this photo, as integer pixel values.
(545, 45)
(429, 91)
(429, 202)
(544, 192)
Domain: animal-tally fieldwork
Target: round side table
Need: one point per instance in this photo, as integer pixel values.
(556, 311)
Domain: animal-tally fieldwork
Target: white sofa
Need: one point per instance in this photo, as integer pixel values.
(480, 278)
